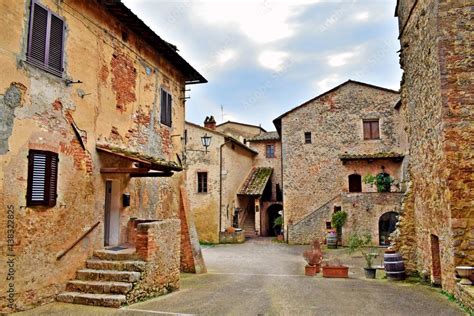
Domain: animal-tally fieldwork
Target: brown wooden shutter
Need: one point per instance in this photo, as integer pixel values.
(42, 178)
(38, 34)
(169, 107)
(55, 56)
(367, 134)
(375, 130)
(163, 107)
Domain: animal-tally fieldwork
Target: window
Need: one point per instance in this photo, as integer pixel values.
(166, 102)
(355, 183)
(42, 178)
(328, 225)
(307, 137)
(202, 182)
(337, 209)
(371, 129)
(45, 42)
(270, 151)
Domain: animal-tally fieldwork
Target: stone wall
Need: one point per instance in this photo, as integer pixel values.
(364, 211)
(312, 173)
(437, 98)
(157, 243)
(116, 103)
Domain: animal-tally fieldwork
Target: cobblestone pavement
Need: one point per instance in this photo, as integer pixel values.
(261, 277)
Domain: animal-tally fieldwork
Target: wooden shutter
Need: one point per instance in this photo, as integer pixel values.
(163, 106)
(38, 34)
(55, 54)
(367, 134)
(375, 130)
(42, 178)
(169, 109)
(46, 40)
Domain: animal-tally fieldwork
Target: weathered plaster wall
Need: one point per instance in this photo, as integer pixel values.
(239, 131)
(313, 173)
(437, 98)
(121, 81)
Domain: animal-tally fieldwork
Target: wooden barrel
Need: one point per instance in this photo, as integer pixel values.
(331, 240)
(394, 267)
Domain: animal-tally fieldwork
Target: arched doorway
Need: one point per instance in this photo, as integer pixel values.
(272, 213)
(387, 223)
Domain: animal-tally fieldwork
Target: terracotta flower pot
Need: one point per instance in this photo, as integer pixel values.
(335, 272)
(280, 237)
(311, 270)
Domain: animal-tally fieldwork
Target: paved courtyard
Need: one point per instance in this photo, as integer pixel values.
(262, 277)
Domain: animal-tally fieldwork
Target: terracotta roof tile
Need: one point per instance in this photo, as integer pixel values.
(256, 181)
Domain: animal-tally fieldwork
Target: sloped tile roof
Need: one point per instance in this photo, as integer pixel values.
(379, 155)
(265, 136)
(256, 181)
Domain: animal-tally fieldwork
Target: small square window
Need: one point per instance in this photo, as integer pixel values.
(202, 182)
(307, 137)
(270, 151)
(328, 225)
(371, 129)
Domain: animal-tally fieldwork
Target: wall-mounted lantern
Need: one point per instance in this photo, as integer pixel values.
(206, 141)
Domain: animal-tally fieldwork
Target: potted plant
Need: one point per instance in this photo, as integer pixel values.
(338, 220)
(277, 225)
(335, 269)
(313, 257)
(363, 244)
(383, 181)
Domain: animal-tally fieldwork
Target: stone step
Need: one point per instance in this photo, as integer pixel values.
(106, 300)
(127, 265)
(108, 275)
(126, 254)
(99, 287)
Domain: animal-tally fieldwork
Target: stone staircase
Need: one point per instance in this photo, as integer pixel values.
(106, 280)
(249, 226)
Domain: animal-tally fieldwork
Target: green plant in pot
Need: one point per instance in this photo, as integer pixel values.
(338, 220)
(382, 181)
(277, 225)
(362, 242)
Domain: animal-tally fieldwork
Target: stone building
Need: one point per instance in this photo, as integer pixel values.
(91, 115)
(213, 177)
(240, 131)
(329, 144)
(436, 231)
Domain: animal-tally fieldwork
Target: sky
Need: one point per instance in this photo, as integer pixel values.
(265, 57)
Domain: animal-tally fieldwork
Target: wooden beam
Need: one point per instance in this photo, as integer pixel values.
(124, 170)
(151, 175)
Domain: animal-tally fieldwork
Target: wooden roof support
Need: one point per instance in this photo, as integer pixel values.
(124, 170)
(151, 175)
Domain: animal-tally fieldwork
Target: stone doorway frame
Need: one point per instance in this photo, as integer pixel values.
(435, 260)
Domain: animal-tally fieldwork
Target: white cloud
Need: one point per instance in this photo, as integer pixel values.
(273, 60)
(328, 82)
(338, 60)
(362, 16)
(263, 22)
(225, 56)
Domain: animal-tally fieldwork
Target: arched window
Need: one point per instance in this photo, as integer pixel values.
(355, 183)
(387, 223)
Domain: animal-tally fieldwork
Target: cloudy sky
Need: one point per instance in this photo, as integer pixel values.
(264, 57)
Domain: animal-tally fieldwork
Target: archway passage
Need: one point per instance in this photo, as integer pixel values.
(387, 223)
(272, 213)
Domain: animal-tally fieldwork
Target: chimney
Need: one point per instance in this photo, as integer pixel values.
(210, 122)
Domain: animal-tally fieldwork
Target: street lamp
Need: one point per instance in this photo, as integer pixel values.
(206, 141)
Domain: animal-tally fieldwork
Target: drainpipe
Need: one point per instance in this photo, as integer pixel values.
(226, 141)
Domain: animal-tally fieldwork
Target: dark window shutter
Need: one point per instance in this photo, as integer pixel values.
(163, 107)
(375, 130)
(169, 109)
(367, 134)
(46, 40)
(38, 34)
(55, 57)
(42, 178)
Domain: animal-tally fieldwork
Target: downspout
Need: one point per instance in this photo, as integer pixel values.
(282, 187)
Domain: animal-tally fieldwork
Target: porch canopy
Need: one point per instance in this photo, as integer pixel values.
(396, 157)
(255, 183)
(144, 163)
